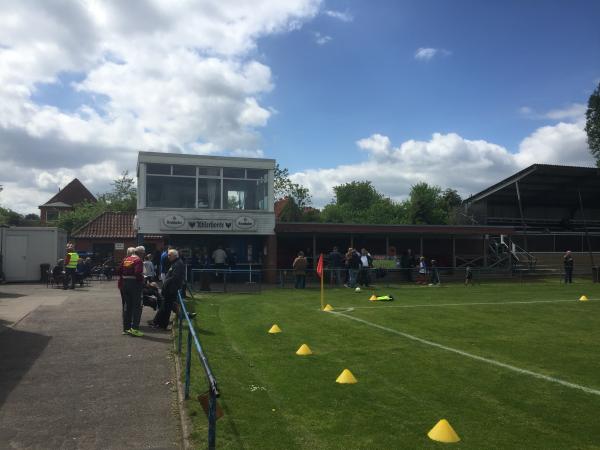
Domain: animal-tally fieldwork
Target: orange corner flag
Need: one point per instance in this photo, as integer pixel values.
(320, 266)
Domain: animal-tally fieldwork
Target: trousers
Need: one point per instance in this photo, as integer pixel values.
(131, 295)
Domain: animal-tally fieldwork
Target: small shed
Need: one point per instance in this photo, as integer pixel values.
(24, 249)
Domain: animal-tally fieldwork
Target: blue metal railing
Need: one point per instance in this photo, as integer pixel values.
(213, 391)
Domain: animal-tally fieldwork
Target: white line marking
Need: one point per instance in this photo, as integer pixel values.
(433, 305)
(472, 356)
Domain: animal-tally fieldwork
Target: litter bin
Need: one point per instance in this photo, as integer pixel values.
(44, 268)
(596, 274)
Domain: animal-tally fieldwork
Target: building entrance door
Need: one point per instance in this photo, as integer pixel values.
(15, 266)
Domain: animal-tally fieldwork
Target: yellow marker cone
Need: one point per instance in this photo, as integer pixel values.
(443, 432)
(583, 298)
(346, 377)
(274, 329)
(373, 297)
(304, 350)
(328, 307)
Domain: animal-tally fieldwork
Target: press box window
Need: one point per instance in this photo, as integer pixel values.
(244, 194)
(188, 171)
(158, 169)
(209, 193)
(170, 192)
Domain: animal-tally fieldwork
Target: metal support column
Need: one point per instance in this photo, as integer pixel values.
(485, 250)
(522, 218)
(387, 246)
(314, 251)
(453, 251)
(421, 246)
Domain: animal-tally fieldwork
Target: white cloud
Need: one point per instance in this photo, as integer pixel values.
(448, 160)
(177, 76)
(321, 39)
(428, 53)
(570, 112)
(344, 16)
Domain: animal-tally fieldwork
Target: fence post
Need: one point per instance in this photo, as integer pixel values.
(180, 325)
(188, 365)
(212, 419)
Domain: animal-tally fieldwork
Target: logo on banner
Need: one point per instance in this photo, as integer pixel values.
(245, 223)
(212, 225)
(174, 221)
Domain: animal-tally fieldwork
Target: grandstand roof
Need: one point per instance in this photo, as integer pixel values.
(544, 184)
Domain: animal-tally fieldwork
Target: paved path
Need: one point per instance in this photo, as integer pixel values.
(70, 380)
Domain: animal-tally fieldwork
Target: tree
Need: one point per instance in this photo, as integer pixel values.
(592, 124)
(284, 187)
(123, 196)
(10, 217)
(430, 205)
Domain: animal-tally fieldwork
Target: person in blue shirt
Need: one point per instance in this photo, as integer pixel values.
(164, 263)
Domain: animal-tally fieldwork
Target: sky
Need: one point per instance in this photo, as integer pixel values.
(456, 93)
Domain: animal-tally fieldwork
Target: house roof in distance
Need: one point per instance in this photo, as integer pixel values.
(110, 225)
(73, 193)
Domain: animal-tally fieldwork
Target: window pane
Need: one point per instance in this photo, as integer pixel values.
(209, 171)
(158, 169)
(184, 170)
(209, 193)
(244, 194)
(256, 174)
(170, 192)
(231, 172)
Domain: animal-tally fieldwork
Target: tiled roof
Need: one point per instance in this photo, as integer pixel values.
(110, 225)
(73, 193)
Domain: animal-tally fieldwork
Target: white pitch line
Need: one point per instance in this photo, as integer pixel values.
(429, 305)
(475, 357)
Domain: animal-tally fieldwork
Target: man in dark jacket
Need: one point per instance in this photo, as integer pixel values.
(336, 263)
(568, 263)
(173, 282)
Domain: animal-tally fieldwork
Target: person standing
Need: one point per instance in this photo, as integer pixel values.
(353, 267)
(171, 286)
(149, 268)
(131, 281)
(299, 266)
(219, 257)
(71, 260)
(434, 275)
(422, 278)
(366, 263)
(335, 266)
(164, 263)
(568, 262)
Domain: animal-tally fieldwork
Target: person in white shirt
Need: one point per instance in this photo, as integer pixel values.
(219, 257)
(149, 271)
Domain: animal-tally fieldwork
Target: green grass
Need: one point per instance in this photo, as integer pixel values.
(273, 399)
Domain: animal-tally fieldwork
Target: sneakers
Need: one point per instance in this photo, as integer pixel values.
(135, 333)
(125, 332)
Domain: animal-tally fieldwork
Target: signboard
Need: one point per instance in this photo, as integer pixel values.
(119, 246)
(218, 225)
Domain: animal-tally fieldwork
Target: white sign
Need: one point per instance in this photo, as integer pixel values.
(119, 246)
(245, 223)
(174, 221)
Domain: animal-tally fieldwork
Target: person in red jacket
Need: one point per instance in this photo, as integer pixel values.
(131, 282)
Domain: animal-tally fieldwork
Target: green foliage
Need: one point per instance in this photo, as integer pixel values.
(10, 217)
(592, 124)
(360, 194)
(81, 214)
(430, 205)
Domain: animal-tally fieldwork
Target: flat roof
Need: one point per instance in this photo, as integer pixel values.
(353, 228)
(205, 160)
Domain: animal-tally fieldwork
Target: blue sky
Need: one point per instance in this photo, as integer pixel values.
(455, 93)
(504, 55)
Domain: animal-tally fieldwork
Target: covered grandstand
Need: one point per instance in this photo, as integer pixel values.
(552, 209)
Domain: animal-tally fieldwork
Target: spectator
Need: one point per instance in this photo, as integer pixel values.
(131, 281)
(434, 275)
(299, 266)
(171, 286)
(422, 278)
(335, 266)
(71, 260)
(219, 257)
(353, 260)
(365, 265)
(568, 263)
(468, 276)
(164, 263)
(149, 268)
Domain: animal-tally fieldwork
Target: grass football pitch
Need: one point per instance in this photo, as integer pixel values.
(509, 365)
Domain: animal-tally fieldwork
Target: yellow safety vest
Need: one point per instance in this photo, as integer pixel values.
(73, 258)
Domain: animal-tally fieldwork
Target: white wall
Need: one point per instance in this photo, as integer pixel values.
(45, 245)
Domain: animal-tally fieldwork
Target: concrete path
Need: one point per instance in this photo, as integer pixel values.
(70, 380)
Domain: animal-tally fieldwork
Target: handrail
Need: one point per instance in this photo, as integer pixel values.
(212, 381)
